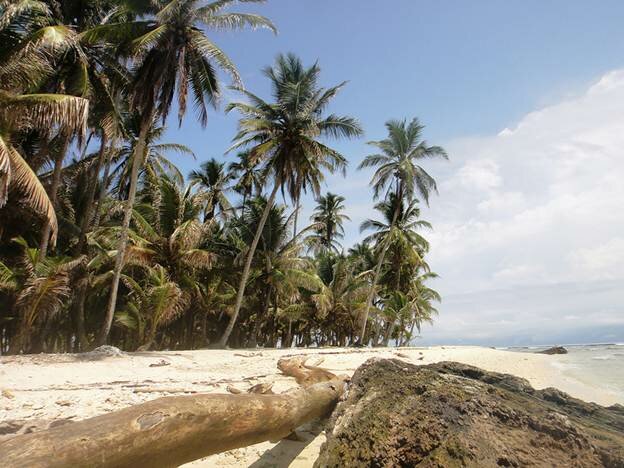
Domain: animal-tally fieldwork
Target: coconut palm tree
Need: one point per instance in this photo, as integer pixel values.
(156, 162)
(280, 270)
(341, 300)
(250, 180)
(172, 56)
(398, 171)
(285, 136)
(155, 303)
(47, 36)
(406, 248)
(329, 219)
(213, 182)
(422, 299)
(42, 289)
(24, 112)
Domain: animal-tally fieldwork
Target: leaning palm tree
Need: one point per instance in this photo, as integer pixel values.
(398, 171)
(286, 137)
(328, 217)
(172, 56)
(213, 181)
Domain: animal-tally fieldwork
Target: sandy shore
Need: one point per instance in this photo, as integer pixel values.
(50, 387)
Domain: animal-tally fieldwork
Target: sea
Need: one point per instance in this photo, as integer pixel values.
(600, 365)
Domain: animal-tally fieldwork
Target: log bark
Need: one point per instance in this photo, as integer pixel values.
(171, 431)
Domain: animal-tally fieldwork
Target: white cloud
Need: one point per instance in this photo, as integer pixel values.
(605, 261)
(528, 225)
(540, 202)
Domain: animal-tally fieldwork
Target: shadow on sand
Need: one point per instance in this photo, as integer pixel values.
(286, 451)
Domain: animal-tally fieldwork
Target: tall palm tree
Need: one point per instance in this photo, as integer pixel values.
(171, 54)
(280, 269)
(213, 182)
(285, 137)
(328, 218)
(398, 171)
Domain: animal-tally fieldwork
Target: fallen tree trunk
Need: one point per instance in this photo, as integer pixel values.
(171, 431)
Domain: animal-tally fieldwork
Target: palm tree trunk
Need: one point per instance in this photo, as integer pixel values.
(371, 293)
(81, 295)
(56, 182)
(243, 205)
(88, 214)
(297, 207)
(137, 162)
(103, 188)
(243, 282)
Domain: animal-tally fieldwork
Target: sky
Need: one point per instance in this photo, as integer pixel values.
(527, 97)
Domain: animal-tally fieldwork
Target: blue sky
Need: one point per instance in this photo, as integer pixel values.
(547, 72)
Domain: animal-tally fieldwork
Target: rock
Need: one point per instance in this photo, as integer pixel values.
(101, 352)
(450, 414)
(554, 350)
(160, 363)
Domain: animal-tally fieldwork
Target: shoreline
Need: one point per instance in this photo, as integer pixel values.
(51, 387)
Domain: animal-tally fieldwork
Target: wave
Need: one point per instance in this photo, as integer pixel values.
(604, 357)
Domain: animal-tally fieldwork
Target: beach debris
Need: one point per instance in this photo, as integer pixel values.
(248, 354)
(8, 394)
(160, 363)
(163, 390)
(451, 414)
(303, 373)
(101, 352)
(403, 355)
(63, 402)
(233, 390)
(262, 389)
(554, 350)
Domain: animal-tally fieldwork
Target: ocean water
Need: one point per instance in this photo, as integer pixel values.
(599, 365)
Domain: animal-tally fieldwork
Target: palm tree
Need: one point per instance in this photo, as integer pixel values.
(250, 180)
(171, 54)
(281, 270)
(48, 37)
(43, 287)
(329, 219)
(157, 302)
(422, 309)
(213, 182)
(285, 137)
(23, 112)
(155, 160)
(342, 298)
(398, 171)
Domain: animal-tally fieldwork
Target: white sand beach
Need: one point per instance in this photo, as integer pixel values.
(51, 387)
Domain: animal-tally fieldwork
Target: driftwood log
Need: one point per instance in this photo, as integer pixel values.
(171, 431)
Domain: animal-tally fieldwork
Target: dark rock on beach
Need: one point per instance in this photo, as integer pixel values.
(554, 350)
(452, 415)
